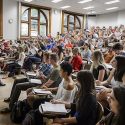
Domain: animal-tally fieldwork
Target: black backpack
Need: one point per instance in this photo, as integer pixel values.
(34, 117)
(19, 111)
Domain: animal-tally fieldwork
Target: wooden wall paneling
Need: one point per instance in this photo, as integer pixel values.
(1, 19)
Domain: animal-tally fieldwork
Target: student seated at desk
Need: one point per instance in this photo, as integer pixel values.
(86, 104)
(65, 92)
(117, 105)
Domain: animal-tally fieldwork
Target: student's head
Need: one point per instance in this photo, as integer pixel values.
(46, 57)
(119, 65)
(76, 51)
(65, 69)
(86, 82)
(86, 46)
(118, 47)
(117, 103)
(59, 49)
(21, 49)
(97, 57)
(53, 58)
(40, 52)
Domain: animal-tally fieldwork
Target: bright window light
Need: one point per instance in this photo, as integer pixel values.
(56, 1)
(28, 0)
(113, 8)
(87, 8)
(85, 1)
(113, 1)
(64, 7)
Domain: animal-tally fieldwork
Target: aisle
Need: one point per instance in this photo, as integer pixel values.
(4, 93)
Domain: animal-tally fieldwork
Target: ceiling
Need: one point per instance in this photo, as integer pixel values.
(100, 7)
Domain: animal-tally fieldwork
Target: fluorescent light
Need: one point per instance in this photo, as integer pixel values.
(87, 8)
(56, 1)
(113, 1)
(113, 8)
(28, 0)
(65, 7)
(85, 1)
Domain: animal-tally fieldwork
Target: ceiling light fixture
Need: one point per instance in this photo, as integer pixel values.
(28, 0)
(113, 1)
(56, 1)
(85, 1)
(64, 7)
(87, 8)
(113, 8)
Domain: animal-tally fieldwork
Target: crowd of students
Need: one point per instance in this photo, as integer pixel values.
(83, 69)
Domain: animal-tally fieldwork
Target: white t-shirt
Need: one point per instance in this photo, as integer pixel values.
(21, 58)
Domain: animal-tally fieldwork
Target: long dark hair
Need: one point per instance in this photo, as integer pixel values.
(87, 86)
(119, 67)
(119, 93)
(60, 50)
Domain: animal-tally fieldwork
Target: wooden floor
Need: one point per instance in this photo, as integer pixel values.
(5, 92)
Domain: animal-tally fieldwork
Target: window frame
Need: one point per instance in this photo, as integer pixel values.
(76, 17)
(39, 8)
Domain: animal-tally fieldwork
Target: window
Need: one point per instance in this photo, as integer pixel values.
(71, 21)
(34, 21)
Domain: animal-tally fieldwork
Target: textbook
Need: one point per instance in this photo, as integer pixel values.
(49, 108)
(41, 92)
(35, 81)
(31, 74)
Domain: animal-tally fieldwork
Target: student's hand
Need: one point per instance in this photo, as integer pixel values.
(43, 87)
(98, 83)
(102, 95)
(58, 120)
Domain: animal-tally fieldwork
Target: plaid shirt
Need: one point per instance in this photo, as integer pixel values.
(45, 69)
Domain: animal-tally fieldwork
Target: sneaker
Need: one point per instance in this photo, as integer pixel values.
(5, 110)
(7, 99)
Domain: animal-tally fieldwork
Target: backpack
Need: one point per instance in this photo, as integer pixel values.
(19, 110)
(34, 117)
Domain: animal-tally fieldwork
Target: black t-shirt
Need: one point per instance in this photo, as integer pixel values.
(96, 72)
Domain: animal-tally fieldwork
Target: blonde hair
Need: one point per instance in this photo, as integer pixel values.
(98, 59)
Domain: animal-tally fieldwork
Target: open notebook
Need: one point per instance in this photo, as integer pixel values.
(49, 108)
(41, 92)
(35, 81)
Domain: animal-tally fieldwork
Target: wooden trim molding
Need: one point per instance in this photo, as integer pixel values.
(40, 10)
(76, 17)
(1, 19)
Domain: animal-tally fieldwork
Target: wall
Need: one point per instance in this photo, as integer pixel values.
(92, 21)
(10, 11)
(111, 19)
(11, 30)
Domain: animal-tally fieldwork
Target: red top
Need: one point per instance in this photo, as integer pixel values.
(77, 62)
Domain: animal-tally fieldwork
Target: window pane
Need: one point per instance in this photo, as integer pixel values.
(24, 13)
(77, 23)
(42, 18)
(25, 16)
(43, 30)
(71, 27)
(65, 19)
(24, 29)
(34, 13)
(65, 29)
(71, 19)
(34, 27)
